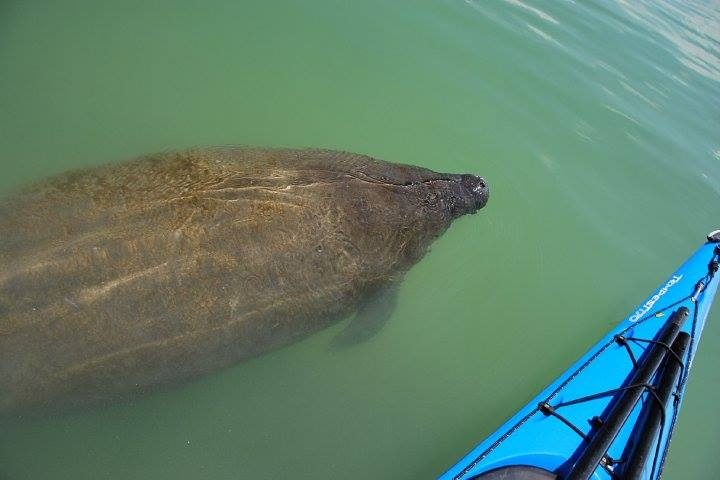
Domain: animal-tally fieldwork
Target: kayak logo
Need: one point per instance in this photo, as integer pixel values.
(653, 300)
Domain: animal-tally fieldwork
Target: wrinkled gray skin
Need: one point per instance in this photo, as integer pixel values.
(120, 278)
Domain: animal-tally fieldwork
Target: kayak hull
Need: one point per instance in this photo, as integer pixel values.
(535, 436)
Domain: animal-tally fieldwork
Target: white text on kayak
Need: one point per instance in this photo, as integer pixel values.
(653, 300)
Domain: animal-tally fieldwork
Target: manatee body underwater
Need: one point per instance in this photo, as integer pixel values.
(117, 279)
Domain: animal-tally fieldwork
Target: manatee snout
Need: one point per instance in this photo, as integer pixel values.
(466, 194)
(477, 190)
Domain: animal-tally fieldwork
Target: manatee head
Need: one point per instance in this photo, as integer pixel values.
(460, 194)
(396, 211)
(454, 194)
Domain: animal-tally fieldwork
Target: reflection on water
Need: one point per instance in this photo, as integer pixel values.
(692, 28)
(595, 123)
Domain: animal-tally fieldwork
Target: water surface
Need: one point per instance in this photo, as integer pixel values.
(596, 123)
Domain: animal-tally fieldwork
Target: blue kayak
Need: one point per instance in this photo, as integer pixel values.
(612, 413)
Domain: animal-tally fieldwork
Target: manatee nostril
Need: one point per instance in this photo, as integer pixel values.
(479, 184)
(473, 183)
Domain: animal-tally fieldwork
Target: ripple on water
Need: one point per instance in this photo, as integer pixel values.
(693, 29)
(534, 10)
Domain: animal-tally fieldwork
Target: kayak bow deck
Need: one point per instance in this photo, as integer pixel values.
(612, 413)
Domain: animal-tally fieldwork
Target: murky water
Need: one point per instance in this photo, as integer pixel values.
(596, 123)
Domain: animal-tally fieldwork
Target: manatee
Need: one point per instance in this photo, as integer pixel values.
(121, 278)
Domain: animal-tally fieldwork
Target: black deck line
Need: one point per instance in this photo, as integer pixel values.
(560, 387)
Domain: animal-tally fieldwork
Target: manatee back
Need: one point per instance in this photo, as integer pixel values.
(120, 278)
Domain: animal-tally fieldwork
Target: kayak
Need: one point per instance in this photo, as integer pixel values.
(612, 413)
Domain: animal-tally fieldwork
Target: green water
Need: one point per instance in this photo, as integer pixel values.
(597, 125)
